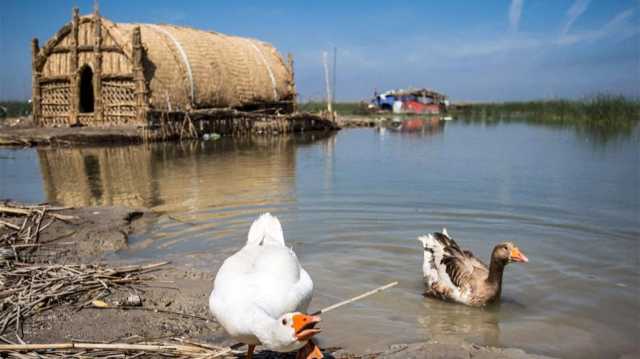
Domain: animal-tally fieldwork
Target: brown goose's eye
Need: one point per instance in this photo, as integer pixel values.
(284, 322)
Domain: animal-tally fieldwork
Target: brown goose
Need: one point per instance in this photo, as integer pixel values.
(454, 274)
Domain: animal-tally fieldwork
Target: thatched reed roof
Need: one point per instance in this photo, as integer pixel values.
(189, 68)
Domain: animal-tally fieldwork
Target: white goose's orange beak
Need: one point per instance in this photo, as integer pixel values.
(518, 256)
(303, 325)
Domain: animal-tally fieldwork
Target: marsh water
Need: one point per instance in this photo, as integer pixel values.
(353, 203)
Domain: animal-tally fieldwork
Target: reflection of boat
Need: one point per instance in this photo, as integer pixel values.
(415, 125)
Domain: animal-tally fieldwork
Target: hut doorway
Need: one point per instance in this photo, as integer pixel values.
(86, 90)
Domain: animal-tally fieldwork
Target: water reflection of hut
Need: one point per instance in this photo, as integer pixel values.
(248, 172)
(97, 176)
(168, 176)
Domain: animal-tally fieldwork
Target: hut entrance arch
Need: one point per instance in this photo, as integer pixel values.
(87, 98)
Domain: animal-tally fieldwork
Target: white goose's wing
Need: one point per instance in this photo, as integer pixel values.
(304, 291)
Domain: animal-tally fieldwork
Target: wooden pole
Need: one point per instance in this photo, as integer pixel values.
(292, 80)
(97, 71)
(335, 60)
(74, 77)
(35, 82)
(326, 80)
(138, 75)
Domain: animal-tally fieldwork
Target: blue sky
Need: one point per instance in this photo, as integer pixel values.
(471, 50)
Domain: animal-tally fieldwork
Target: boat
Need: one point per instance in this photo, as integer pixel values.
(411, 101)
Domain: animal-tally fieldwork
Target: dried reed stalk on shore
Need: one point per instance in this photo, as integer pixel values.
(22, 237)
(28, 289)
(179, 348)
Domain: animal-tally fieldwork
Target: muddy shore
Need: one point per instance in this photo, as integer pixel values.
(174, 304)
(22, 132)
(64, 136)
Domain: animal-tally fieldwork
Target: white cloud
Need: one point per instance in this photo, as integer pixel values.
(621, 25)
(574, 12)
(515, 12)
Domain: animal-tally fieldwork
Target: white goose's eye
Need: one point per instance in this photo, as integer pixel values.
(284, 322)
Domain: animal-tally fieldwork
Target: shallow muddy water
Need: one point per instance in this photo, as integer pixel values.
(353, 204)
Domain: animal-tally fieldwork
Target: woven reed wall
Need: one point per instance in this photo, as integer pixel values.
(55, 103)
(227, 71)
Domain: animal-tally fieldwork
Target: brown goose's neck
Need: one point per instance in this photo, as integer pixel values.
(496, 269)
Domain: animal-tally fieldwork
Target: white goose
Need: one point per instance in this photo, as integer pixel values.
(261, 293)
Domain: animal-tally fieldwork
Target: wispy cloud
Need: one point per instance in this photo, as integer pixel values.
(574, 12)
(515, 12)
(621, 25)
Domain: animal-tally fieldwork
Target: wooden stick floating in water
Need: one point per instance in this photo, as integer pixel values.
(338, 305)
(361, 296)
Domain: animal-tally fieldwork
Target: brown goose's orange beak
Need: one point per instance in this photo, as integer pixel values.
(303, 325)
(518, 256)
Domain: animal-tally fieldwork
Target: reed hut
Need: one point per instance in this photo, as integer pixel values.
(94, 72)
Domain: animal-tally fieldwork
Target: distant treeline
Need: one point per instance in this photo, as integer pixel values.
(597, 110)
(14, 108)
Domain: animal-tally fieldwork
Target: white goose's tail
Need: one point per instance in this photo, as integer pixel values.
(266, 229)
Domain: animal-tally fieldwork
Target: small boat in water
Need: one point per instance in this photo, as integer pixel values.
(422, 101)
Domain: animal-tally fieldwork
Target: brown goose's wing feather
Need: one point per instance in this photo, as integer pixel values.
(450, 246)
(459, 270)
(459, 264)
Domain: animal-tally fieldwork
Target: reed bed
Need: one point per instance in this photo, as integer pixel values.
(29, 289)
(599, 110)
